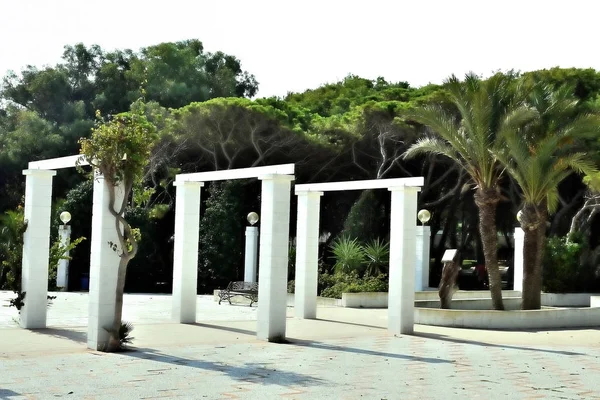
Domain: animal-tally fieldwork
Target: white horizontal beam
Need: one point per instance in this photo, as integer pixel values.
(360, 185)
(240, 173)
(58, 163)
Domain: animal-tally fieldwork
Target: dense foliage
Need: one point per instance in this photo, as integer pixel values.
(200, 105)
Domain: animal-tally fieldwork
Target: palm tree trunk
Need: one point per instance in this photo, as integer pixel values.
(533, 223)
(487, 200)
(448, 284)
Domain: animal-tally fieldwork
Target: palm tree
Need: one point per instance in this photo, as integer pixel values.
(485, 110)
(539, 156)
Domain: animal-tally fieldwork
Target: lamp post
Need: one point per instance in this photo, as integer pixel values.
(422, 250)
(64, 236)
(251, 248)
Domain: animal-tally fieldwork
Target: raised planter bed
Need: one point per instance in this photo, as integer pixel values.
(548, 318)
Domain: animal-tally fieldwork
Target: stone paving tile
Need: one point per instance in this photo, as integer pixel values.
(381, 367)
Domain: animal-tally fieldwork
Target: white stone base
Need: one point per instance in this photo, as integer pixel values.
(530, 319)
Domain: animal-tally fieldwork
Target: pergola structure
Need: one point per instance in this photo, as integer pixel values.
(403, 231)
(104, 261)
(273, 252)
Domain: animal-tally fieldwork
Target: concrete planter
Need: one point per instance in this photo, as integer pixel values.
(530, 319)
(566, 299)
(365, 300)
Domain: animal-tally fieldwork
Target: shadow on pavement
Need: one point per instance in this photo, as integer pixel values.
(323, 346)
(7, 394)
(350, 323)
(345, 349)
(75, 336)
(224, 328)
(445, 338)
(249, 372)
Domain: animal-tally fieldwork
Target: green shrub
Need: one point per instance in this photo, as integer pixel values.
(377, 257)
(366, 218)
(351, 283)
(221, 250)
(561, 266)
(291, 286)
(348, 254)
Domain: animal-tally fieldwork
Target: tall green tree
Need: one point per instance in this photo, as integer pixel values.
(119, 149)
(540, 156)
(485, 110)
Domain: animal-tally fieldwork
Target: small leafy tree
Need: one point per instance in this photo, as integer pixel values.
(119, 150)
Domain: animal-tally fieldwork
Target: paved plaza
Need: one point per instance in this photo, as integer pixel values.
(345, 354)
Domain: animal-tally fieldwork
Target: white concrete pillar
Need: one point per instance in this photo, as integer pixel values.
(251, 253)
(307, 254)
(403, 226)
(422, 257)
(104, 265)
(62, 272)
(36, 247)
(273, 257)
(185, 253)
(519, 239)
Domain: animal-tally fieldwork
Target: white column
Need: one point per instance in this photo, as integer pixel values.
(36, 247)
(519, 238)
(273, 257)
(62, 272)
(422, 258)
(251, 253)
(104, 265)
(185, 253)
(403, 226)
(307, 254)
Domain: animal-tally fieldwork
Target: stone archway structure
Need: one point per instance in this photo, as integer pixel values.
(104, 261)
(403, 231)
(273, 252)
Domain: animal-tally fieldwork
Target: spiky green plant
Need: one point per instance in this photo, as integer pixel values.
(348, 255)
(377, 256)
(125, 333)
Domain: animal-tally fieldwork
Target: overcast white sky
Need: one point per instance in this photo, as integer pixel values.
(295, 45)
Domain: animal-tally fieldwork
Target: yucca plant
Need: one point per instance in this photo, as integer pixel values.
(125, 333)
(377, 257)
(348, 255)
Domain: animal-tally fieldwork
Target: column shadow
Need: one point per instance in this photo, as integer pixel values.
(74, 336)
(323, 346)
(248, 372)
(7, 394)
(436, 336)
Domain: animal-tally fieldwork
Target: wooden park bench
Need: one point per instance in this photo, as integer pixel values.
(249, 290)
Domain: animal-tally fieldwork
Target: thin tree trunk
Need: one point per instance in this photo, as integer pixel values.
(533, 223)
(448, 284)
(115, 341)
(487, 200)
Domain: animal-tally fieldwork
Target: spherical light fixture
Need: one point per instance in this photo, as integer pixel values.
(65, 217)
(520, 215)
(424, 216)
(252, 218)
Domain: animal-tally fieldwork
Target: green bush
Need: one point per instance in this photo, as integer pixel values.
(221, 250)
(348, 254)
(366, 219)
(338, 283)
(377, 257)
(561, 269)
